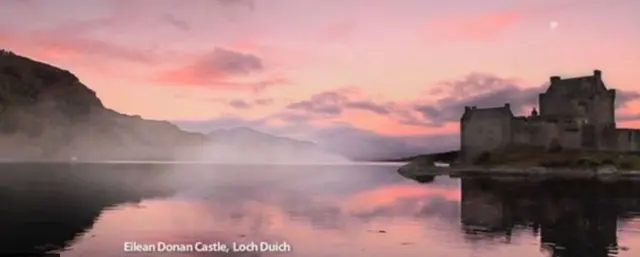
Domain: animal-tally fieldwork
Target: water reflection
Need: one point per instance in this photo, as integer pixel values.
(320, 211)
(91, 210)
(571, 218)
(44, 207)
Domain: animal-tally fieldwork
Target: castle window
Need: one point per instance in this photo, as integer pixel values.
(582, 108)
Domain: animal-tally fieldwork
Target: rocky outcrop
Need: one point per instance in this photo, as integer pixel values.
(421, 170)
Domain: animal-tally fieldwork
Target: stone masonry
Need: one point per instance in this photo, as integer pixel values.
(574, 113)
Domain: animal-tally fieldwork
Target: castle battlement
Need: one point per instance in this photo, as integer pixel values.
(573, 113)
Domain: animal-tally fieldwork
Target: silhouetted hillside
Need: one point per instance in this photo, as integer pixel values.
(46, 113)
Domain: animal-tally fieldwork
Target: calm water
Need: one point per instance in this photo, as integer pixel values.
(91, 210)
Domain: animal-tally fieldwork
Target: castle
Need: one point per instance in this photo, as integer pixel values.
(574, 113)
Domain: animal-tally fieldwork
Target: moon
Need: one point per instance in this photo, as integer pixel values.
(553, 25)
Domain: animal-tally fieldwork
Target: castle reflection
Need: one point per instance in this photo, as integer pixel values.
(571, 218)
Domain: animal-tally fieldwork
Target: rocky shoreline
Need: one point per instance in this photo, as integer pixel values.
(424, 172)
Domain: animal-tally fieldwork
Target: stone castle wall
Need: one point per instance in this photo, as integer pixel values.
(575, 113)
(484, 130)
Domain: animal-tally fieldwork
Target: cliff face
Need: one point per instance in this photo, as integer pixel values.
(47, 113)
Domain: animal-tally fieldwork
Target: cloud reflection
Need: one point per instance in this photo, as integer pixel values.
(213, 209)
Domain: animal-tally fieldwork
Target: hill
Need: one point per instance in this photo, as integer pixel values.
(245, 145)
(47, 114)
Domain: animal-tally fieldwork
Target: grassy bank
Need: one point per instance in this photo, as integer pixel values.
(533, 164)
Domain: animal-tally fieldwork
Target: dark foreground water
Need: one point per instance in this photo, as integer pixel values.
(95, 210)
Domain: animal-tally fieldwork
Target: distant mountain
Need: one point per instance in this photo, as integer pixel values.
(245, 145)
(364, 145)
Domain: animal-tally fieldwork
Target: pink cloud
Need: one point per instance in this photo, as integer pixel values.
(490, 25)
(71, 40)
(223, 69)
(484, 26)
(339, 31)
(384, 196)
(248, 45)
(217, 66)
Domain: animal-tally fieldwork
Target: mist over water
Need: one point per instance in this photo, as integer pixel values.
(86, 209)
(247, 146)
(257, 153)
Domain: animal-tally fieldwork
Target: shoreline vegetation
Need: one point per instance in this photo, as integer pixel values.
(533, 164)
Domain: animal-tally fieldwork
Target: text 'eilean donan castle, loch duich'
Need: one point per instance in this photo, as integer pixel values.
(574, 113)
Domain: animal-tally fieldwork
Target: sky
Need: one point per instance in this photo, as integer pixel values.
(396, 73)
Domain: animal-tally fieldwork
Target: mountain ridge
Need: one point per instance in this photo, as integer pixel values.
(265, 147)
(47, 113)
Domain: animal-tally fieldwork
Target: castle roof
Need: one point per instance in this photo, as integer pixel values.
(577, 85)
(486, 112)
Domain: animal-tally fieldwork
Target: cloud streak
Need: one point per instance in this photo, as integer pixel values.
(443, 104)
(476, 89)
(69, 41)
(248, 104)
(333, 103)
(222, 69)
(491, 25)
(176, 22)
(484, 26)
(220, 64)
(242, 3)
